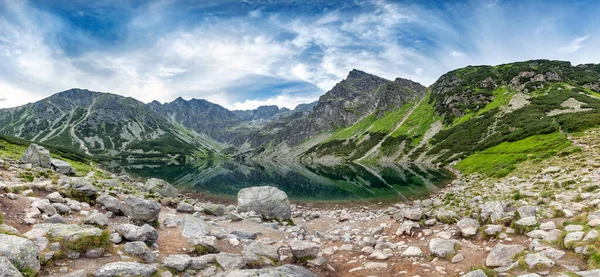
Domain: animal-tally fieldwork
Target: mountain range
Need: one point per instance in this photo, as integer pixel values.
(467, 116)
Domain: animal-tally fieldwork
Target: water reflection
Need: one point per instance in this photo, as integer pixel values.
(311, 182)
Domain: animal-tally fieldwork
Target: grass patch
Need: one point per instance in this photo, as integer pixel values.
(500, 160)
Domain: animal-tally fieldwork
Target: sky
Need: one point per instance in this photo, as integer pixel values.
(245, 53)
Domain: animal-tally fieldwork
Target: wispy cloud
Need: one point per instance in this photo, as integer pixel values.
(244, 54)
(574, 45)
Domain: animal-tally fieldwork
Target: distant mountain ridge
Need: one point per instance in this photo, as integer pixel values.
(473, 117)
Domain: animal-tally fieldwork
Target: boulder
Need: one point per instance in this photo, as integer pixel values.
(502, 255)
(194, 226)
(214, 209)
(161, 187)
(267, 201)
(242, 234)
(254, 251)
(62, 167)
(412, 251)
(141, 250)
(111, 203)
(55, 197)
(44, 206)
(37, 155)
(177, 262)
(83, 187)
(441, 247)
(203, 244)
(304, 249)
(414, 214)
(97, 219)
(285, 270)
(468, 227)
(230, 261)
(118, 269)
(7, 269)
(527, 211)
(492, 230)
(493, 210)
(538, 260)
(141, 210)
(184, 207)
(132, 232)
(61, 208)
(21, 252)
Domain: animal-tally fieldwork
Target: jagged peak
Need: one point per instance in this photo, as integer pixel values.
(356, 74)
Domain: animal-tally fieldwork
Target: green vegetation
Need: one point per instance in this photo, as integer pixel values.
(502, 97)
(83, 244)
(500, 160)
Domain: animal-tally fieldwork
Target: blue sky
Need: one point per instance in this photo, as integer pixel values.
(245, 53)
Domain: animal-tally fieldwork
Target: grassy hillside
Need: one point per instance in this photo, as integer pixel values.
(14, 148)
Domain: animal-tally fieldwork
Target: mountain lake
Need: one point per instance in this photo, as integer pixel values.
(302, 182)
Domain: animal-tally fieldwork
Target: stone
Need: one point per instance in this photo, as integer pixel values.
(44, 206)
(21, 252)
(142, 210)
(8, 229)
(202, 262)
(547, 226)
(468, 227)
(83, 187)
(458, 258)
(527, 221)
(304, 249)
(527, 211)
(502, 255)
(194, 226)
(547, 236)
(406, 227)
(573, 237)
(94, 253)
(230, 261)
(254, 251)
(244, 234)
(118, 269)
(55, 197)
(412, 251)
(132, 232)
(97, 219)
(62, 167)
(475, 273)
(7, 269)
(414, 214)
(551, 169)
(378, 255)
(214, 209)
(141, 250)
(37, 155)
(573, 228)
(61, 208)
(281, 271)
(185, 207)
(441, 247)
(161, 187)
(177, 262)
(208, 244)
(589, 273)
(267, 201)
(493, 210)
(55, 219)
(538, 259)
(172, 222)
(591, 236)
(492, 230)
(111, 203)
(446, 216)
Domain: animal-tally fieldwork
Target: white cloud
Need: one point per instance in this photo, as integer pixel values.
(574, 45)
(255, 13)
(456, 54)
(282, 100)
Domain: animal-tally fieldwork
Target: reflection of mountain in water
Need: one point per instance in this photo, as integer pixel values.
(301, 181)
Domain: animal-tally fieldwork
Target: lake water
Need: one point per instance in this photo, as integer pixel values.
(306, 182)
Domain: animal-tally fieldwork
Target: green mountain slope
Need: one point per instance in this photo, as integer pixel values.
(484, 118)
(103, 124)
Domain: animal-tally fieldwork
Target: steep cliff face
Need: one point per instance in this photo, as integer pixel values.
(101, 123)
(349, 101)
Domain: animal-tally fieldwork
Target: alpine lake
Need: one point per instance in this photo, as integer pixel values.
(302, 182)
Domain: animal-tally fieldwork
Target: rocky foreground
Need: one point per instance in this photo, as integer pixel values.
(540, 221)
